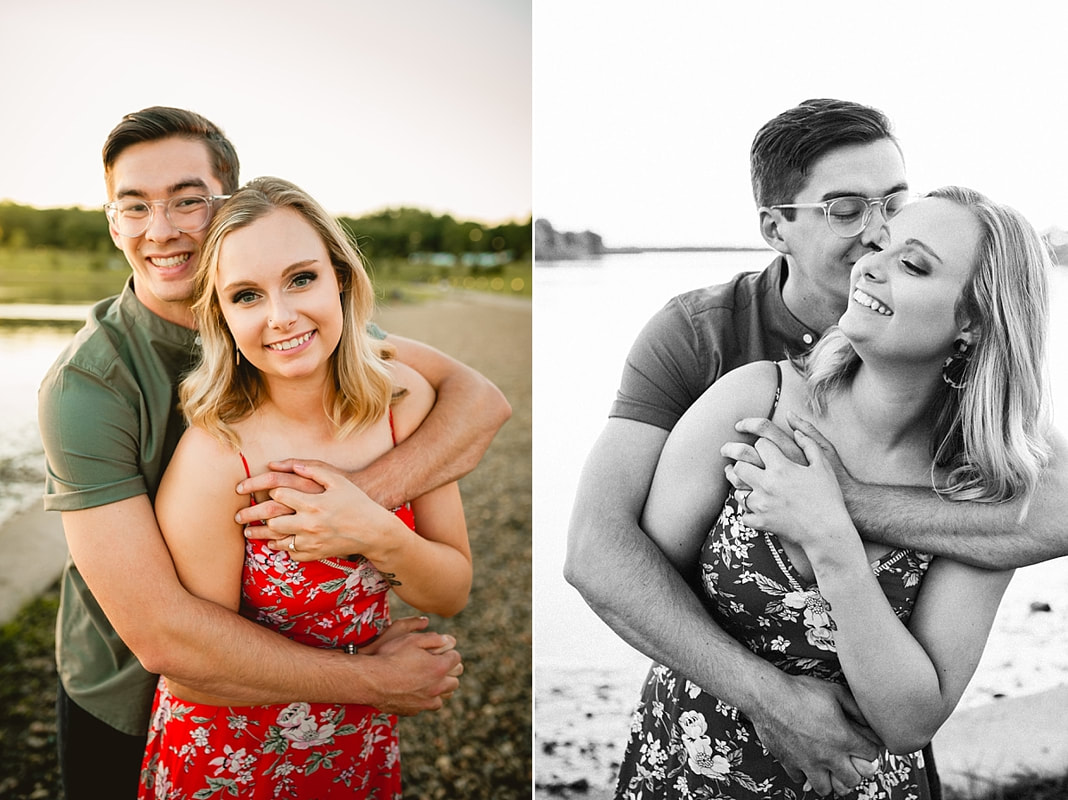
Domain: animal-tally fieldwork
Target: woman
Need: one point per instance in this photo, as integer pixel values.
(288, 368)
(933, 376)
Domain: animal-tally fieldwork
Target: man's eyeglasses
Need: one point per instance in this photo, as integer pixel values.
(188, 213)
(848, 216)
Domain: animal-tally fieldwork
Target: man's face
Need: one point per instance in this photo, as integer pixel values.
(822, 259)
(163, 258)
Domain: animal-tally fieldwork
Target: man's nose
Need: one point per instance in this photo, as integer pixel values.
(876, 233)
(160, 227)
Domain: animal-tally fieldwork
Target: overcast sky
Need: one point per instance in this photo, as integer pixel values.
(644, 112)
(364, 103)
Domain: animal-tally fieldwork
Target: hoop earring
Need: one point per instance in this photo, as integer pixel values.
(955, 368)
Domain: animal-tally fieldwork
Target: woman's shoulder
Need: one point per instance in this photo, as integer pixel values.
(200, 449)
(754, 385)
(413, 397)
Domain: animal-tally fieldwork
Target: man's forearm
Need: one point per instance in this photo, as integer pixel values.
(220, 653)
(984, 535)
(630, 584)
(447, 445)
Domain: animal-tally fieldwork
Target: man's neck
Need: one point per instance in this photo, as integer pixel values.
(178, 312)
(812, 307)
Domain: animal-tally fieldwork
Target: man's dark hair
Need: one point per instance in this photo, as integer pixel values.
(786, 147)
(161, 122)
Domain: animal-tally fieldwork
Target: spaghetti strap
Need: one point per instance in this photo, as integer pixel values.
(778, 390)
(392, 433)
(248, 474)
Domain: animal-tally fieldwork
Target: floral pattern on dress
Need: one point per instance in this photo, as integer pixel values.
(685, 743)
(296, 750)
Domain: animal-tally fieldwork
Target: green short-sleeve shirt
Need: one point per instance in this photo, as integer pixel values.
(109, 422)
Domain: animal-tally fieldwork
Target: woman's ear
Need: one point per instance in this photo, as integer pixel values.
(769, 229)
(969, 333)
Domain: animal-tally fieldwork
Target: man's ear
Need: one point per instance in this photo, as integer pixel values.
(769, 229)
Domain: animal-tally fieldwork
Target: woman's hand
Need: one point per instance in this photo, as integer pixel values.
(800, 502)
(316, 512)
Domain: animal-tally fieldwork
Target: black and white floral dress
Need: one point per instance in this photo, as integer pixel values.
(685, 743)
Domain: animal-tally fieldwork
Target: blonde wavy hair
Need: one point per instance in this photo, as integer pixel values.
(219, 391)
(991, 437)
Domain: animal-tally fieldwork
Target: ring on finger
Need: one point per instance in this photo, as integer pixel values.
(745, 502)
(293, 543)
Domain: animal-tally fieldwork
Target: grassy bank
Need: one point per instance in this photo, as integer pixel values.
(48, 275)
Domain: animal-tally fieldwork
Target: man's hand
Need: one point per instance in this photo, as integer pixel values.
(426, 667)
(280, 475)
(762, 428)
(816, 730)
(799, 423)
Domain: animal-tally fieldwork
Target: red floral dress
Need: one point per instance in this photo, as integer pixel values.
(294, 750)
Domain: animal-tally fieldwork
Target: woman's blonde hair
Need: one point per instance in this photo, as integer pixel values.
(991, 437)
(220, 391)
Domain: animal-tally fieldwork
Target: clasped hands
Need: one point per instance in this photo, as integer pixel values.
(787, 482)
(314, 512)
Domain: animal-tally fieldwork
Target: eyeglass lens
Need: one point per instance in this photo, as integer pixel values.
(847, 216)
(188, 213)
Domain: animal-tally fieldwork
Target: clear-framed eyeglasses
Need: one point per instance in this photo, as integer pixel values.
(849, 216)
(189, 213)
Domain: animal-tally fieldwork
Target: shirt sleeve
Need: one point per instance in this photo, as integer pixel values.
(663, 374)
(90, 434)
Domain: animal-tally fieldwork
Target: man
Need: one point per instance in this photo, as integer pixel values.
(810, 155)
(109, 424)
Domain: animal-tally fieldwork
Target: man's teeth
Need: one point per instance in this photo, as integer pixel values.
(872, 303)
(289, 345)
(173, 261)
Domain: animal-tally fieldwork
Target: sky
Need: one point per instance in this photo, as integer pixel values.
(366, 104)
(644, 113)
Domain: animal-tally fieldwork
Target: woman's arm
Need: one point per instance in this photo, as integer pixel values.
(688, 488)
(906, 680)
(204, 541)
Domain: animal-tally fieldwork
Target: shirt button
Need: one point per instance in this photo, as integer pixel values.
(807, 338)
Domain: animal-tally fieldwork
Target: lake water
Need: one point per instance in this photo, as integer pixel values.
(586, 316)
(28, 346)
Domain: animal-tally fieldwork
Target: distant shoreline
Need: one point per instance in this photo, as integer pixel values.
(693, 249)
(561, 256)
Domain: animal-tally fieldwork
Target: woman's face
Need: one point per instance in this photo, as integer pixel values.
(903, 297)
(280, 296)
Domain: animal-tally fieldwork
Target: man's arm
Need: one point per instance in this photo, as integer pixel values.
(632, 586)
(450, 442)
(994, 536)
(221, 653)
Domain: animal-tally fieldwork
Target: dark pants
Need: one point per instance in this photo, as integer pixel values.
(933, 781)
(95, 760)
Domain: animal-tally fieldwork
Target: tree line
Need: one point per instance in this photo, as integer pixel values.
(392, 233)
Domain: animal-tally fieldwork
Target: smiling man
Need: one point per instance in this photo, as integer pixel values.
(826, 174)
(109, 423)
